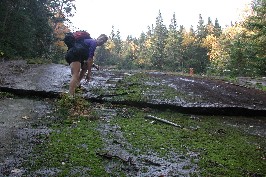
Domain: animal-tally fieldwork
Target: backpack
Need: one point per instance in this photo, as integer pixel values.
(76, 46)
(76, 37)
(77, 53)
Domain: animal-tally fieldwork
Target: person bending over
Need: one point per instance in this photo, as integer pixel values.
(80, 59)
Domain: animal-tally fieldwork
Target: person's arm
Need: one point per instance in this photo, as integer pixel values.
(89, 65)
(93, 44)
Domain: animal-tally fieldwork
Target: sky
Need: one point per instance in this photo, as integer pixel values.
(131, 17)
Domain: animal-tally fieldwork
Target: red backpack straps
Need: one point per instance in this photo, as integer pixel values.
(79, 35)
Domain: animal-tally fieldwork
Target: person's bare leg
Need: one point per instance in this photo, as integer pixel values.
(86, 67)
(75, 71)
(89, 66)
(83, 71)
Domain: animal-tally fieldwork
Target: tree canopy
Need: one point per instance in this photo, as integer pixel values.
(28, 27)
(35, 28)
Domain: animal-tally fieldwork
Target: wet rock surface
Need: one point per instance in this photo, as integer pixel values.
(17, 135)
(197, 94)
(20, 75)
(202, 92)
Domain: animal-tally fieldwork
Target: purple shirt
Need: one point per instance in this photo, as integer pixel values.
(92, 43)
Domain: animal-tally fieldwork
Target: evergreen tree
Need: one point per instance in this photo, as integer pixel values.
(188, 49)
(209, 27)
(217, 28)
(27, 26)
(172, 47)
(158, 43)
(257, 41)
(194, 54)
(114, 45)
(142, 58)
(130, 50)
(118, 43)
(201, 28)
(24, 29)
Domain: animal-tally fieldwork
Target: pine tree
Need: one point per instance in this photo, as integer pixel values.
(114, 45)
(172, 47)
(217, 28)
(257, 40)
(201, 28)
(158, 42)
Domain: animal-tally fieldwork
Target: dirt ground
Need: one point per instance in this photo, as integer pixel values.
(18, 115)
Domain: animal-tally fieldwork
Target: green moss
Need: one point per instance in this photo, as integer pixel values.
(69, 147)
(260, 87)
(224, 150)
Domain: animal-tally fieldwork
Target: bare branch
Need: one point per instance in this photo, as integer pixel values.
(163, 120)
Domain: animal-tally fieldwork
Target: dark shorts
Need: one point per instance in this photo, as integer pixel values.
(76, 53)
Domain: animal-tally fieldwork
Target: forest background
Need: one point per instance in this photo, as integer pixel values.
(33, 30)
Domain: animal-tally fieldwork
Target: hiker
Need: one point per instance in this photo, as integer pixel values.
(80, 59)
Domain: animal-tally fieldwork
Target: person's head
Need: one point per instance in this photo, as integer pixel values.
(101, 39)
